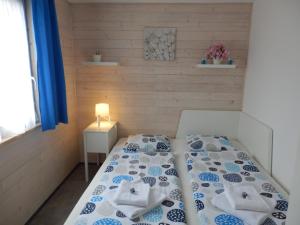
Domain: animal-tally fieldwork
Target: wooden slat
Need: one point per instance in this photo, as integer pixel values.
(148, 96)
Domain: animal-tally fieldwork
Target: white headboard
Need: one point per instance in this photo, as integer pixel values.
(208, 122)
(253, 134)
(258, 138)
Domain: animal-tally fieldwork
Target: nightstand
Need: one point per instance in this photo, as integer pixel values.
(98, 140)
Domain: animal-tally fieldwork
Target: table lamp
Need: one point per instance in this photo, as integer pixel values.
(102, 111)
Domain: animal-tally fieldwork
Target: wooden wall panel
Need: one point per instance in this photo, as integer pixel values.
(148, 96)
(34, 164)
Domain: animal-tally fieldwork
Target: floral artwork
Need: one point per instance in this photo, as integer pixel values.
(159, 44)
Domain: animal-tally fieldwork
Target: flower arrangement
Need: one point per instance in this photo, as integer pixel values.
(217, 52)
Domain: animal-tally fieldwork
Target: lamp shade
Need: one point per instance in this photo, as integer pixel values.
(102, 109)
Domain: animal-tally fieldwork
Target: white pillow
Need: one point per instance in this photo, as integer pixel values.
(147, 143)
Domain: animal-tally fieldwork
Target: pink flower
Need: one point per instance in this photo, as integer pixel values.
(217, 51)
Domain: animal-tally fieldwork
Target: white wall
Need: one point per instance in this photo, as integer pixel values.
(294, 201)
(272, 86)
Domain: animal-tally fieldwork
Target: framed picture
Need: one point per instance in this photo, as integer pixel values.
(159, 43)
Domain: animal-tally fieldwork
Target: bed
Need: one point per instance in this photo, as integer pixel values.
(242, 130)
(156, 169)
(206, 178)
(209, 171)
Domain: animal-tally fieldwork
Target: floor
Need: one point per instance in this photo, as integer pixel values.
(57, 208)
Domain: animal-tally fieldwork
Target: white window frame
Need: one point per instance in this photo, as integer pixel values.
(33, 68)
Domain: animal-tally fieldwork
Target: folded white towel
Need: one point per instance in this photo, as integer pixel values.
(156, 197)
(140, 196)
(251, 201)
(250, 217)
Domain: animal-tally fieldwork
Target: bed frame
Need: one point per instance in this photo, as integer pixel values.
(256, 136)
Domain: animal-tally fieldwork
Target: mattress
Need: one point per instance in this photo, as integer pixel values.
(157, 169)
(209, 171)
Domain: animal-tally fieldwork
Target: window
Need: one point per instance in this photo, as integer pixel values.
(17, 85)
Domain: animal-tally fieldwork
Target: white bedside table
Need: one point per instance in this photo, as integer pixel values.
(98, 140)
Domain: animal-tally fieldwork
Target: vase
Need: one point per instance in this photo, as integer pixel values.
(97, 58)
(217, 61)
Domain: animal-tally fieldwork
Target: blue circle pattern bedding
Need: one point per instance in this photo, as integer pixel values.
(157, 169)
(200, 143)
(147, 143)
(210, 171)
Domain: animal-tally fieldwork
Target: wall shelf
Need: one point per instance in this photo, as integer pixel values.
(101, 63)
(216, 66)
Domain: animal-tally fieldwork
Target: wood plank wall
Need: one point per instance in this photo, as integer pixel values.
(148, 96)
(33, 165)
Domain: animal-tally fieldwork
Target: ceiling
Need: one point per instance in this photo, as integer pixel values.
(161, 1)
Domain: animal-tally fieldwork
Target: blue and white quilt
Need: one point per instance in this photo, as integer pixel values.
(209, 171)
(156, 169)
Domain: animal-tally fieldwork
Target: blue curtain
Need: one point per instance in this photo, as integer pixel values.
(50, 68)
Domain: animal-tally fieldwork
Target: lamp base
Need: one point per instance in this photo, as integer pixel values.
(98, 121)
